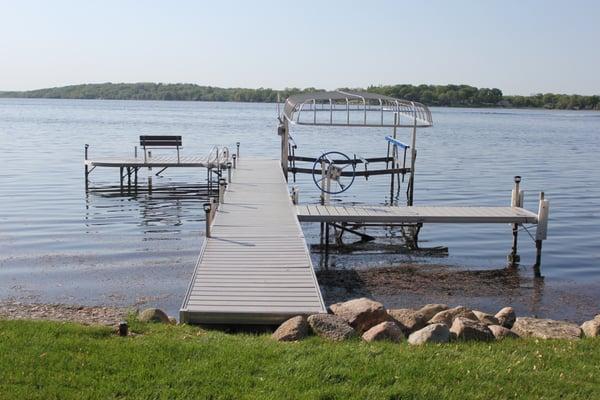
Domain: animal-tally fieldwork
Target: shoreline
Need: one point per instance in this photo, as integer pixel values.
(483, 107)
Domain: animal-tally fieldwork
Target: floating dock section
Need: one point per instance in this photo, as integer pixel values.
(255, 267)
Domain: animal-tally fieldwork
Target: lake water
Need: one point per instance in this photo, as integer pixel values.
(59, 244)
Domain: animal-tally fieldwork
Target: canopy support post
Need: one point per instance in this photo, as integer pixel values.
(413, 152)
(283, 131)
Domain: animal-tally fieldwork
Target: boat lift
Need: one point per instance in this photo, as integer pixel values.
(334, 172)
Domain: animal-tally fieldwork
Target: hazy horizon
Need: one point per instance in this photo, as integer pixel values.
(521, 48)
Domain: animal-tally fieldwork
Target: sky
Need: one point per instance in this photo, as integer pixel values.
(521, 47)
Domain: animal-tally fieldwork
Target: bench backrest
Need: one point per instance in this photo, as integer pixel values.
(160, 141)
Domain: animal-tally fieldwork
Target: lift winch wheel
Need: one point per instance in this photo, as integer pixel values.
(337, 172)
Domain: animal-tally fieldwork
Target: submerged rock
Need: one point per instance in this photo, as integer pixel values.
(154, 315)
(362, 314)
(447, 317)
(485, 318)
(467, 329)
(295, 328)
(408, 320)
(384, 331)
(429, 310)
(546, 328)
(506, 317)
(331, 327)
(435, 333)
(501, 332)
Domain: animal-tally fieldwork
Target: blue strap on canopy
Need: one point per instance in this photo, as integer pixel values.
(396, 142)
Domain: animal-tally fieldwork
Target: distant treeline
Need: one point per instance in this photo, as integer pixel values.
(433, 95)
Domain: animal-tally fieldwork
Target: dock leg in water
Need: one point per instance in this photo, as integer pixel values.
(537, 267)
(541, 233)
(121, 178)
(516, 201)
(86, 170)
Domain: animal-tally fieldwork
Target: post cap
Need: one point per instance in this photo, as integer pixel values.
(207, 206)
(234, 156)
(237, 143)
(517, 179)
(228, 164)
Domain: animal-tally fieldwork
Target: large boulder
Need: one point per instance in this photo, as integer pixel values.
(154, 315)
(447, 317)
(501, 332)
(506, 317)
(408, 320)
(384, 331)
(293, 329)
(436, 333)
(591, 328)
(467, 329)
(362, 314)
(546, 328)
(485, 318)
(429, 310)
(331, 327)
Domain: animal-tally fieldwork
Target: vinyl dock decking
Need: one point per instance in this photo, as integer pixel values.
(154, 161)
(255, 267)
(415, 214)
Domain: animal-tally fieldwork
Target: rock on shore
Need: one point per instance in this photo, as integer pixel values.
(546, 328)
(361, 314)
(331, 327)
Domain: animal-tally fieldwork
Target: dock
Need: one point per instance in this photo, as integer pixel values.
(415, 214)
(255, 267)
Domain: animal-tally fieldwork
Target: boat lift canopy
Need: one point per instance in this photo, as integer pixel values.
(355, 109)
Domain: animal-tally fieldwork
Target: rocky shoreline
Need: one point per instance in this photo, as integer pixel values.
(87, 315)
(432, 323)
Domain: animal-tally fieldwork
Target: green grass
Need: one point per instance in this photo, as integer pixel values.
(49, 360)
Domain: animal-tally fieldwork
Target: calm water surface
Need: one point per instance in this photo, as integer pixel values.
(58, 244)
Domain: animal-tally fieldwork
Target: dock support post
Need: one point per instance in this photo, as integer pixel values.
(229, 171)
(516, 201)
(135, 178)
(295, 195)
(121, 177)
(541, 233)
(237, 150)
(86, 170)
(208, 215)
(149, 173)
(222, 186)
(234, 161)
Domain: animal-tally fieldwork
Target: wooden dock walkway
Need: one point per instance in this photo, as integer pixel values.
(255, 267)
(415, 214)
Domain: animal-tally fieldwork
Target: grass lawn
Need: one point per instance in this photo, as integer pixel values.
(49, 360)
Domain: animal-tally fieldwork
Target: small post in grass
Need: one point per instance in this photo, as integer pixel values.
(123, 328)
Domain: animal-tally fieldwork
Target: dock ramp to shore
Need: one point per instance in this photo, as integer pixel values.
(255, 267)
